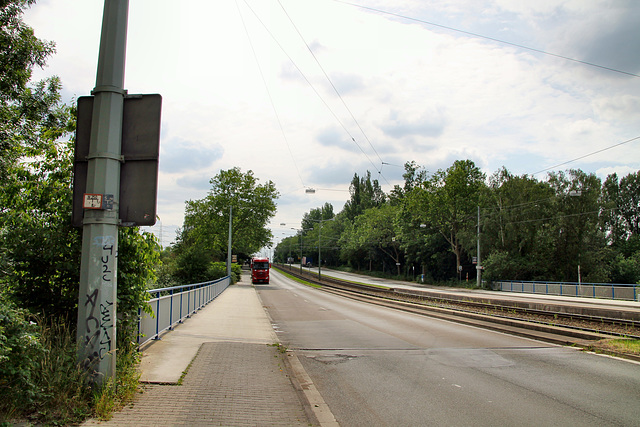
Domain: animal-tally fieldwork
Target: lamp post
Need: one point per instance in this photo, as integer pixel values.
(479, 265)
(300, 241)
(319, 233)
(422, 277)
(578, 193)
(229, 244)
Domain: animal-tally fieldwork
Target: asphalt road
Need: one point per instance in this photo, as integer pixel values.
(376, 366)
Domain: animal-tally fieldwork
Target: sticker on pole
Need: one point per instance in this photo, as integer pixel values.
(92, 201)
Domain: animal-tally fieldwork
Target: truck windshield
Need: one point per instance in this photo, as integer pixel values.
(261, 265)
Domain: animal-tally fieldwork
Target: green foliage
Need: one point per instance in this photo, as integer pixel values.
(39, 374)
(19, 47)
(310, 219)
(20, 347)
(621, 203)
(138, 255)
(39, 250)
(217, 270)
(118, 392)
(365, 194)
(375, 232)
(626, 269)
(206, 225)
(40, 257)
(236, 272)
(166, 269)
(446, 205)
(568, 227)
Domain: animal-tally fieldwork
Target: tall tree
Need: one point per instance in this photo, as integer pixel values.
(365, 194)
(414, 175)
(39, 249)
(309, 219)
(579, 249)
(621, 206)
(513, 227)
(373, 236)
(204, 236)
(21, 109)
(451, 204)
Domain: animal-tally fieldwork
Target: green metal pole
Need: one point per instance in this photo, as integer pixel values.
(229, 244)
(98, 270)
(319, 262)
(479, 263)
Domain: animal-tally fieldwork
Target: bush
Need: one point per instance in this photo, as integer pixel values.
(218, 270)
(39, 374)
(236, 273)
(20, 348)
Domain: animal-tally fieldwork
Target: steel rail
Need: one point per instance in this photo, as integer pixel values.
(461, 307)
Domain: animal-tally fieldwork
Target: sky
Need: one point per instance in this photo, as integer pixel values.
(307, 93)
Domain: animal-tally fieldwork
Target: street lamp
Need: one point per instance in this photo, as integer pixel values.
(229, 244)
(299, 240)
(319, 233)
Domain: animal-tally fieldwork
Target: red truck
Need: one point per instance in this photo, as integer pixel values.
(260, 270)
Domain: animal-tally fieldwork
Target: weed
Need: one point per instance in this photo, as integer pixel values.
(281, 349)
(115, 394)
(51, 389)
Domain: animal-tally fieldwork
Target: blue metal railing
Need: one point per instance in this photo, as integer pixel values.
(170, 306)
(619, 291)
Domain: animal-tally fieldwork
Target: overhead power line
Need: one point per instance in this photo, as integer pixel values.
(313, 88)
(331, 83)
(587, 155)
(264, 81)
(469, 33)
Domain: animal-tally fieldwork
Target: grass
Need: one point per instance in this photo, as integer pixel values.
(281, 349)
(622, 345)
(454, 283)
(372, 285)
(304, 282)
(117, 393)
(64, 395)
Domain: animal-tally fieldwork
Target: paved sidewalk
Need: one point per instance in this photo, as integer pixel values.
(237, 378)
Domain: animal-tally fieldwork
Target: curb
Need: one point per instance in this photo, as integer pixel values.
(313, 403)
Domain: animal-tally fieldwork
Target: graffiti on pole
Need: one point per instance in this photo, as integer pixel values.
(99, 317)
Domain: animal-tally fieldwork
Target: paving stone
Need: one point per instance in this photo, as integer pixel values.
(228, 384)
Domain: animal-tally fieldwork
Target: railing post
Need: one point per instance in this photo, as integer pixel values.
(139, 321)
(181, 295)
(189, 303)
(157, 337)
(171, 310)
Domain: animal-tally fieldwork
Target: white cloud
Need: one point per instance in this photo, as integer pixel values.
(418, 92)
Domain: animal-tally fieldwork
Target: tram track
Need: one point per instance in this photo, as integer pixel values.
(552, 326)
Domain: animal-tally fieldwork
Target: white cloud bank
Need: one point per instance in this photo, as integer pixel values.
(417, 92)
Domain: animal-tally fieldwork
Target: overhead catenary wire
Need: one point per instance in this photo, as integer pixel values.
(562, 216)
(315, 58)
(273, 106)
(342, 125)
(469, 33)
(587, 155)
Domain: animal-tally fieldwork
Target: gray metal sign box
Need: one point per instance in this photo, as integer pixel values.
(140, 153)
